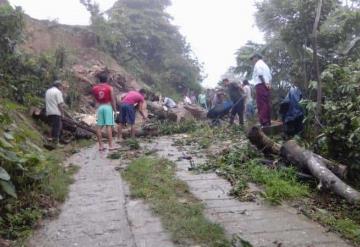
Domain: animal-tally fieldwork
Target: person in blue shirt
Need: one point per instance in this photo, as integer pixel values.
(292, 113)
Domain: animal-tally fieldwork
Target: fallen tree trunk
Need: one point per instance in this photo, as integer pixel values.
(78, 130)
(268, 146)
(263, 142)
(305, 158)
(196, 111)
(158, 110)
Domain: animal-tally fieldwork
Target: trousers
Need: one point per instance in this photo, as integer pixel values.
(263, 102)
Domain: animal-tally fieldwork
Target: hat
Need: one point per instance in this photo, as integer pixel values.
(58, 83)
(256, 55)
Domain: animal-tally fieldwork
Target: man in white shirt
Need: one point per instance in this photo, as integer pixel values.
(262, 80)
(55, 109)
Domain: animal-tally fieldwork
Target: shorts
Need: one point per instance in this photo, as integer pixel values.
(105, 115)
(127, 114)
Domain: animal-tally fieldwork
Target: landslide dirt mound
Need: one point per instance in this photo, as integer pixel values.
(83, 58)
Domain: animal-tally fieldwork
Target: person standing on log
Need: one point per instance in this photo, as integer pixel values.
(105, 99)
(128, 112)
(235, 93)
(54, 102)
(261, 78)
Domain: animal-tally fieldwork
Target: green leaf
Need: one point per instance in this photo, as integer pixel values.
(8, 188)
(9, 155)
(5, 144)
(4, 175)
(8, 136)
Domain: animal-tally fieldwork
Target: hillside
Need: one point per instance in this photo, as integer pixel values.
(82, 58)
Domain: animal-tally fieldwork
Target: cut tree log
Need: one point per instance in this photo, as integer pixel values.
(196, 111)
(78, 130)
(268, 146)
(157, 109)
(305, 158)
(263, 142)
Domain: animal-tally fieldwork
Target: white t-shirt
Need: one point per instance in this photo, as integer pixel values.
(53, 98)
(169, 102)
(247, 92)
(261, 69)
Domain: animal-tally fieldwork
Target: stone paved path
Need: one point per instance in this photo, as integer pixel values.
(99, 211)
(260, 224)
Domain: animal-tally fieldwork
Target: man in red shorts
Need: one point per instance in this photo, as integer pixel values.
(104, 96)
(128, 112)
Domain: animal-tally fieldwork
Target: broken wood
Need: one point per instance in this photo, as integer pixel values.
(268, 146)
(306, 159)
(196, 111)
(158, 110)
(78, 130)
(263, 142)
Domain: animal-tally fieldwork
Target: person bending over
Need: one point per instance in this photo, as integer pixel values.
(128, 112)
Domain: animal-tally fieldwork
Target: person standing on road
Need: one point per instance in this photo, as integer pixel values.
(261, 78)
(105, 99)
(249, 108)
(235, 93)
(128, 112)
(54, 102)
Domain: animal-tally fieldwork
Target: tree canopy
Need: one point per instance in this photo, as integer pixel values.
(140, 35)
(288, 29)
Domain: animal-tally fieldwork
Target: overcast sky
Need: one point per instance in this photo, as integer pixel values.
(215, 29)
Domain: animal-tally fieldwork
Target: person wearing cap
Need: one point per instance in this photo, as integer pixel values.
(54, 103)
(261, 78)
(105, 99)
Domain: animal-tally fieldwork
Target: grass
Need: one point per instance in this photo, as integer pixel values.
(241, 165)
(345, 226)
(170, 128)
(279, 184)
(133, 144)
(181, 213)
(41, 182)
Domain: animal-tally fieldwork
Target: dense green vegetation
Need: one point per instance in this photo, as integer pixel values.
(140, 36)
(32, 180)
(181, 213)
(288, 28)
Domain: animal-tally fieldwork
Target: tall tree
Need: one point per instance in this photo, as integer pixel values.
(139, 34)
(316, 61)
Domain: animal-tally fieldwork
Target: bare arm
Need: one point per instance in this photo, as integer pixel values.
(113, 100)
(61, 108)
(141, 110)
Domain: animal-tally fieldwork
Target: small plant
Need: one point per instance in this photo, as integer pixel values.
(114, 156)
(170, 128)
(133, 144)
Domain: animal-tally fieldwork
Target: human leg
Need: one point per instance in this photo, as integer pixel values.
(100, 122)
(241, 108)
(233, 113)
(109, 134)
(263, 104)
(131, 120)
(132, 131)
(109, 122)
(56, 124)
(99, 137)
